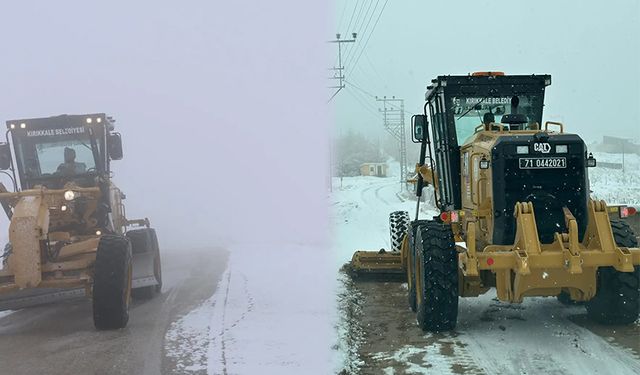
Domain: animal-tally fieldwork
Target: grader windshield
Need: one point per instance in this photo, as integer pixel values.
(53, 151)
(471, 111)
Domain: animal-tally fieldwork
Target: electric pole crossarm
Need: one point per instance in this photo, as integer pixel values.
(340, 67)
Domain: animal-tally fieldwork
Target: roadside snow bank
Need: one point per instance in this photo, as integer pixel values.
(186, 340)
(360, 213)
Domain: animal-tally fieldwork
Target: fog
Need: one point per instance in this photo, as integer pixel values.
(221, 106)
(592, 51)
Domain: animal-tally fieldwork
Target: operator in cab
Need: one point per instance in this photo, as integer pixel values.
(70, 167)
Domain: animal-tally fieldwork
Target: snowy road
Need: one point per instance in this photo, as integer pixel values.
(61, 339)
(378, 332)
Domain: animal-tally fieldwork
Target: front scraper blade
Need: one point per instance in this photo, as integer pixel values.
(143, 271)
(37, 296)
(376, 265)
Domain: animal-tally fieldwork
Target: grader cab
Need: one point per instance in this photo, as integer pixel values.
(515, 209)
(68, 233)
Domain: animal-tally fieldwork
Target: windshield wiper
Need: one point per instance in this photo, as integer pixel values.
(474, 106)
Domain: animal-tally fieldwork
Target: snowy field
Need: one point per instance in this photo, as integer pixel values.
(266, 317)
(616, 185)
(538, 336)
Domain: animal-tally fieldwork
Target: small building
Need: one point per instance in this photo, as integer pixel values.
(616, 145)
(374, 169)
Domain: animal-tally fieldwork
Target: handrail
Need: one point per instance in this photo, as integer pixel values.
(546, 126)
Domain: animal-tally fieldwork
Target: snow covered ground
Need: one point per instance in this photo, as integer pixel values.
(616, 186)
(538, 336)
(270, 315)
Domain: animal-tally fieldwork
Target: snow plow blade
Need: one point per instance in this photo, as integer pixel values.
(377, 264)
(35, 297)
(143, 276)
(143, 270)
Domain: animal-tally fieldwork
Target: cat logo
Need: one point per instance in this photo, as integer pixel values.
(542, 147)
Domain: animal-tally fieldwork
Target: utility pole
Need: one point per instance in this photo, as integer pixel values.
(623, 142)
(393, 121)
(338, 72)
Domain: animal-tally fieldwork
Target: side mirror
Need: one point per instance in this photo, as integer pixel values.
(418, 128)
(114, 146)
(5, 156)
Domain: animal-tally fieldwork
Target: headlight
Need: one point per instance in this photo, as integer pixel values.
(562, 149)
(69, 195)
(522, 149)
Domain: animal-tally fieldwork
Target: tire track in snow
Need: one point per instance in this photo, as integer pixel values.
(377, 193)
(375, 198)
(371, 201)
(220, 339)
(536, 337)
(223, 352)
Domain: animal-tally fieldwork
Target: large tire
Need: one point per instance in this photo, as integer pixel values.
(398, 227)
(436, 278)
(143, 241)
(411, 256)
(617, 299)
(112, 283)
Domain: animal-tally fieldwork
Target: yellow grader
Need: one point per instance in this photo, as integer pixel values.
(515, 209)
(68, 233)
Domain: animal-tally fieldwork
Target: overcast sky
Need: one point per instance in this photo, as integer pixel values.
(591, 49)
(221, 105)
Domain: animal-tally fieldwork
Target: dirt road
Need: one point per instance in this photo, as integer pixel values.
(60, 338)
(379, 334)
(539, 336)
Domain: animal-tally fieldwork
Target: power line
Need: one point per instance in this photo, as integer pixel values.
(355, 25)
(364, 31)
(364, 106)
(389, 102)
(342, 14)
(366, 57)
(371, 33)
(352, 14)
(373, 107)
(360, 88)
(365, 74)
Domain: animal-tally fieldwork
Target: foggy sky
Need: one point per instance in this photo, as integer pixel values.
(591, 49)
(221, 106)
